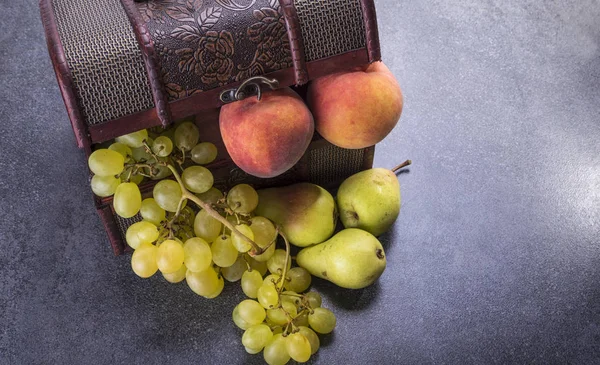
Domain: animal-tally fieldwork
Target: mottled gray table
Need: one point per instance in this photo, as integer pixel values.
(494, 259)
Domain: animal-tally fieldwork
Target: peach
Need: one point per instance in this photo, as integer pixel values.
(267, 137)
(356, 109)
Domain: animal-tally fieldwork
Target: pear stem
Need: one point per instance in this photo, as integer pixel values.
(403, 164)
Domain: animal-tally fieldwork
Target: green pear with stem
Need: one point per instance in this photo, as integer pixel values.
(352, 259)
(370, 199)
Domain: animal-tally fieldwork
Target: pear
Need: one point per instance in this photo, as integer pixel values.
(352, 259)
(305, 212)
(370, 200)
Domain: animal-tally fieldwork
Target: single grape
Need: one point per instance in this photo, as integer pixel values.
(314, 299)
(167, 194)
(298, 347)
(292, 297)
(252, 351)
(251, 312)
(186, 136)
(177, 276)
(169, 257)
(197, 179)
(261, 267)
(203, 283)
(152, 212)
(257, 337)
(211, 196)
(312, 338)
(267, 296)
(277, 262)
(302, 320)
(242, 199)
(275, 353)
(278, 315)
(251, 281)
(197, 254)
(160, 172)
(140, 154)
(224, 253)
(135, 139)
(105, 162)
(298, 279)
(273, 280)
(141, 232)
(143, 260)
(240, 243)
(122, 149)
(238, 320)
(322, 320)
(234, 272)
(104, 186)
(207, 227)
(128, 174)
(162, 146)
(204, 153)
(264, 236)
(217, 292)
(277, 330)
(127, 200)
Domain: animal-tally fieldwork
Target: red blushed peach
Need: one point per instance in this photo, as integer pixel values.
(356, 109)
(267, 137)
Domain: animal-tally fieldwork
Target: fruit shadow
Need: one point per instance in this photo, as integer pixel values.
(348, 299)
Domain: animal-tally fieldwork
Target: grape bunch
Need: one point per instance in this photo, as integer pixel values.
(216, 239)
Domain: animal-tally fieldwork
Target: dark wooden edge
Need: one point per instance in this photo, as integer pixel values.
(151, 62)
(372, 33)
(193, 104)
(110, 225)
(63, 73)
(296, 42)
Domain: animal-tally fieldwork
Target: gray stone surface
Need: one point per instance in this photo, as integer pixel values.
(494, 259)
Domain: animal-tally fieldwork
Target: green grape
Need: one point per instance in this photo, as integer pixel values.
(207, 227)
(273, 280)
(122, 149)
(152, 212)
(251, 312)
(314, 299)
(186, 136)
(204, 153)
(277, 330)
(234, 272)
(275, 353)
(252, 351)
(140, 154)
(264, 233)
(238, 320)
(169, 256)
(127, 200)
(177, 276)
(292, 297)
(203, 283)
(261, 267)
(257, 337)
(241, 244)
(162, 146)
(217, 292)
(242, 199)
(128, 174)
(211, 196)
(141, 232)
(276, 263)
(160, 172)
(104, 186)
(302, 320)
(167, 194)
(224, 253)
(143, 260)
(197, 254)
(279, 316)
(322, 320)
(267, 296)
(135, 139)
(197, 179)
(105, 162)
(312, 338)
(187, 216)
(297, 279)
(251, 281)
(298, 347)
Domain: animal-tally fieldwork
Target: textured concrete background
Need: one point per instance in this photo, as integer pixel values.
(494, 259)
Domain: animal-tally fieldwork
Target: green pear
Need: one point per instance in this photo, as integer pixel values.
(370, 200)
(352, 259)
(305, 212)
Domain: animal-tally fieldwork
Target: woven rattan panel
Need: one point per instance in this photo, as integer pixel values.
(330, 27)
(333, 164)
(124, 223)
(104, 57)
